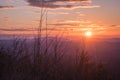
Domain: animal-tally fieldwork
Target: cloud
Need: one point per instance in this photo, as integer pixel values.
(61, 3)
(64, 24)
(6, 7)
(4, 29)
(62, 13)
(22, 29)
(114, 26)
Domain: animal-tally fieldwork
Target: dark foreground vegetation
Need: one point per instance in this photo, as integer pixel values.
(51, 61)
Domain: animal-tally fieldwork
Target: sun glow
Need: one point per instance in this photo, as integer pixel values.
(88, 34)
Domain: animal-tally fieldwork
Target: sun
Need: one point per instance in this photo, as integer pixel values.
(88, 34)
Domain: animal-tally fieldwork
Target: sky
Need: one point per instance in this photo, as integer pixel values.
(75, 17)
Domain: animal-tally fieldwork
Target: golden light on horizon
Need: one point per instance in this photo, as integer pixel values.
(88, 34)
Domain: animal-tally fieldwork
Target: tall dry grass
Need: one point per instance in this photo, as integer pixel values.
(20, 62)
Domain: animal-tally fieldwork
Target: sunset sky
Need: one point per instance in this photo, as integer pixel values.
(102, 17)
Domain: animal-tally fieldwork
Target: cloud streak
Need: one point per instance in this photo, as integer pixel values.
(64, 24)
(15, 29)
(6, 7)
(61, 3)
(21, 29)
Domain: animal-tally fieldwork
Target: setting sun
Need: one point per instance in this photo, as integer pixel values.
(88, 33)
